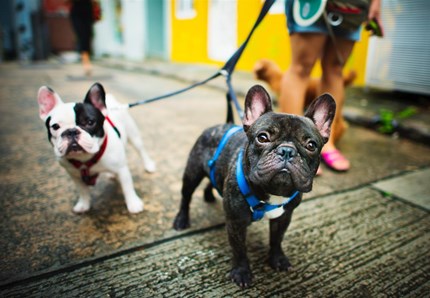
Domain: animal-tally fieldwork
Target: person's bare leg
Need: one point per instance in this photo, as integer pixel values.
(86, 63)
(306, 48)
(332, 82)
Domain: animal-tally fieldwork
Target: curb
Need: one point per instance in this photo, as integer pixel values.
(189, 72)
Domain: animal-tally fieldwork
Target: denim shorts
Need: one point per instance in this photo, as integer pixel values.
(317, 27)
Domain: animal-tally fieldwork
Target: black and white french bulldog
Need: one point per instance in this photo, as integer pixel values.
(89, 138)
(273, 155)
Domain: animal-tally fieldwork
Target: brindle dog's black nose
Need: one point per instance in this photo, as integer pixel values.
(286, 152)
(70, 133)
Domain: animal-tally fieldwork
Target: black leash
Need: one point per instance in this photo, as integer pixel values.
(226, 71)
(145, 101)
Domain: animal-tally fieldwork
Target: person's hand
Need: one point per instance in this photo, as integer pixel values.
(375, 14)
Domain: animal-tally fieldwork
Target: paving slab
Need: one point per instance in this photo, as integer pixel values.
(39, 231)
(413, 187)
(355, 244)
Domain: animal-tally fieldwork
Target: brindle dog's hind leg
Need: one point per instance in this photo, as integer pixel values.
(193, 175)
(209, 196)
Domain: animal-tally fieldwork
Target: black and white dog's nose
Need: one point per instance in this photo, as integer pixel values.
(71, 133)
(286, 152)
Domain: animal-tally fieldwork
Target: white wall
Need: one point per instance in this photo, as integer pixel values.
(134, 29)
(401, 59)
(222, 35)
(105, 41)
(121, 35)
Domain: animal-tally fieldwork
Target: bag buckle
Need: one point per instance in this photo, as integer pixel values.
(334, 18)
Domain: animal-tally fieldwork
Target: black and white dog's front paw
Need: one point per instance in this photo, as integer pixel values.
(82, 206)
(134, 204)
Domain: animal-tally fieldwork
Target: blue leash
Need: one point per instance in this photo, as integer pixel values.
(258, 208)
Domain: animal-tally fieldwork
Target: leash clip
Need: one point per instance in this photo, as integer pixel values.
(224, 73)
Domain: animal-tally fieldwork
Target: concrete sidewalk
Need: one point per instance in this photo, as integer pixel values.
(364, 233)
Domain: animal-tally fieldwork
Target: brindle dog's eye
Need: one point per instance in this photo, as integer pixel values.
(263, 138)
(311, 146)
(55, 126)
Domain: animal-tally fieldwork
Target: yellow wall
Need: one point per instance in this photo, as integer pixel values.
(270, 40)
(189, 36)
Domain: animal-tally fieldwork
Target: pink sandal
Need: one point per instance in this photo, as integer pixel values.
(330, 158)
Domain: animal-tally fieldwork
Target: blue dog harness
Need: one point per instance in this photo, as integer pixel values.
(221, 145)
(258, 208)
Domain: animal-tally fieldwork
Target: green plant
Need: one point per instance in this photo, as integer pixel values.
(387, 119)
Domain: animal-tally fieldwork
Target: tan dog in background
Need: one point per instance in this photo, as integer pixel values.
(268, 71)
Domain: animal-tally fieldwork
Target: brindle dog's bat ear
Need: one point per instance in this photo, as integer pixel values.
(257, 103)
(322, 111)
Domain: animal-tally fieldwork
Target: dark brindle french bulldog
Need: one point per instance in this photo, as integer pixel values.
(273, 155)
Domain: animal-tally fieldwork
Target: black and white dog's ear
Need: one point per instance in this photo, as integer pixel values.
(257, 103)
(47, 99)
(322, 111)
(96, 96)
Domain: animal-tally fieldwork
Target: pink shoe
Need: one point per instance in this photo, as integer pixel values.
(335, 160)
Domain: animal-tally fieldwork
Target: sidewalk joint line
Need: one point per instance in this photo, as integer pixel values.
(43, 274)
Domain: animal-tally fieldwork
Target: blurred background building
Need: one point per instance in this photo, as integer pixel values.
(209, 31)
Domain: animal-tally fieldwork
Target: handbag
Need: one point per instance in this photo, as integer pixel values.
(307, 12)
(97, 11)
(347, 14)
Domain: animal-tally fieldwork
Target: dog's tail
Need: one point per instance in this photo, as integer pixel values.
(266, 67)
(269, 72)
(349, 78)
(258, 70)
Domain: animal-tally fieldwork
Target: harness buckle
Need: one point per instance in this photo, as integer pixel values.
(258, 211)
(211, 163)
(258, 206)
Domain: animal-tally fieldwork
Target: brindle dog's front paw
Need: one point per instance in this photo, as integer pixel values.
(181, 222)
(241, 276)
(280, 262)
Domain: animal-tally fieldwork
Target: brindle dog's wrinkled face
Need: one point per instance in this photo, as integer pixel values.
(283, 152)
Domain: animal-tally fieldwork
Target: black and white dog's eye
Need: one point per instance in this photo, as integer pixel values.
(90, 122)
(311, 146)
(263, 138)
(55, 126)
